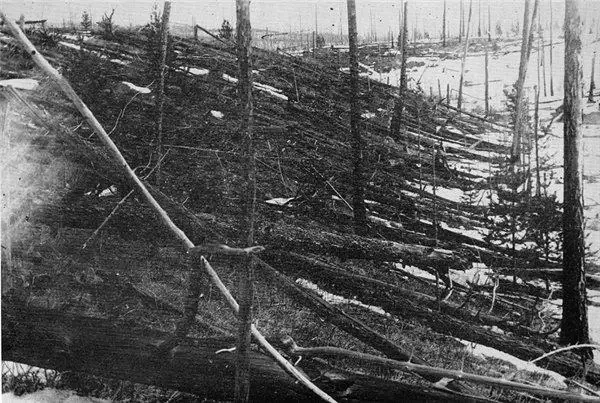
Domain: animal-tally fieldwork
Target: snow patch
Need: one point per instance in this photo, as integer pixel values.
(119, 61)
(28, 84)
(111, 191)
(217, 114)
(197, 72)
(136, 88)
(50, 396)
(69, 45)
(276, 92)
(279, 201)
(230, 79)
(336, 299)
(368, 115)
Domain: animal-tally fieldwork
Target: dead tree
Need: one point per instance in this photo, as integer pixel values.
(160, 96)
(489, 23)
(479, 26)
(399, 106)
(248, 198)
(487, 83)
(461, 21)
(358, 202)
(464, 58)
(525, 52)
(551, 47)
(592, 83)
(444, 27)
(574, 325)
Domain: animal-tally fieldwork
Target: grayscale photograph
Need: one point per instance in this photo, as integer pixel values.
(300, 201)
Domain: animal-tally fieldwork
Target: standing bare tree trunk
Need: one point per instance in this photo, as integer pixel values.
(461, 21)
(464, 58)
(160, 95)
(574, 326)
(399, 105)
(487, 84)
(479, 22)
(543, 56)
(592, 83)
(489, 23)
(358, 202)
(444, 26)
(5, 229)
(248, 196)
(525, 53)
(551, 48)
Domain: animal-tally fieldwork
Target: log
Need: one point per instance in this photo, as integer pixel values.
(408, 303)
(67, 342)
(441, 322)
(286, 237)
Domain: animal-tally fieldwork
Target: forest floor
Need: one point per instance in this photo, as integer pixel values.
(54, 199)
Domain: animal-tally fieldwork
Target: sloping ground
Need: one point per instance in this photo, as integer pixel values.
(301, 126)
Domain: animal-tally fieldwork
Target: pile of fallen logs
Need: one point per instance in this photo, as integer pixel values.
(314, 134)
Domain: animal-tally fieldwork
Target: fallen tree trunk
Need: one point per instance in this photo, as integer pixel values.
(567, 364)
(66, 342)
(286, 237)
(398, 297)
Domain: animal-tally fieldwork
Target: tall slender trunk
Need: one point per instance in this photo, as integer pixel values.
(160, 93)
(543, 56)
(525, 52)
(592, 83)
(464, 57)
(487, 84)
(489, 23)
(479, 22)
(358, 205)
(399, 105)
(460, 21)
(574, 325)
(248, 198)
(551, 49)
(444, 26)
(5, 230)
(536, 122)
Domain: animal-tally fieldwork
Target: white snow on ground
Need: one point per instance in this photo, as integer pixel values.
(336, 299)
(50, 396)
(196, 71)
(137, 88)
(479, 274)
(279, 201)
(20, 83)
(368, 115)
(230, 79)
(384, 222)
(483, 351)
(119, 61)
(69, 45)
(415, 271)
(111, 191)
(276, 92)
(217, 114)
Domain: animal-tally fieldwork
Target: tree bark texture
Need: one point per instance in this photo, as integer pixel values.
(358, 202)
(574, 327)
(247, 197)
